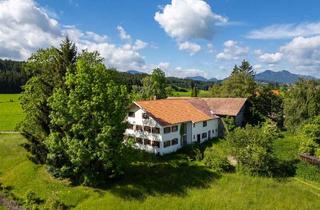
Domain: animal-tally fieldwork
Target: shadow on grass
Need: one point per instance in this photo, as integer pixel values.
(143, 180)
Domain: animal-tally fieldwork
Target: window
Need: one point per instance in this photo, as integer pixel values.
(174, 128)
(147, 142)
(130, 126)
(155, 144)
(212, 131)
(139, 140)
(147, 128)
(167, 130)
(155, 130)
(194, 125)
(204, 124)
(204, 135)
(167, 144)
(174, 141)
(145, 116)
(139, 128)
(131, 114)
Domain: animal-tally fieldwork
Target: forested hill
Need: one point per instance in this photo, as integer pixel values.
(11, 76)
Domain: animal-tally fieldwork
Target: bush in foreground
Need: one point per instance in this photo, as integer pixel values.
(217, 161)
(252, 147)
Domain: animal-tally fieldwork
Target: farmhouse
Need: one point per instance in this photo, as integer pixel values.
(164, 126)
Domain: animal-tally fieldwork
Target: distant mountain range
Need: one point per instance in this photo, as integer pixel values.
(269, 76)
(283, 76)
(202, 79)
(135, 72)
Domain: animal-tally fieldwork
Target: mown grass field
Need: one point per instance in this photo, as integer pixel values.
(172, 182)
(202, 93)
(10, 111)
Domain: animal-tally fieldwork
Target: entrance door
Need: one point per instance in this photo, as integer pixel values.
(198, 138)
(209, 135)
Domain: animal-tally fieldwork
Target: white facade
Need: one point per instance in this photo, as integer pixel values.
(158, 140)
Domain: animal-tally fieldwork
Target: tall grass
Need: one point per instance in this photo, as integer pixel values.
(170, 182)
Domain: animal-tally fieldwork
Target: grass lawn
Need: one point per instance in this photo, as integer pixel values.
(169, 183)
(2, 208)
(10, 111)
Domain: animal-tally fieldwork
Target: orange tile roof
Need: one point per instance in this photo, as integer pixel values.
(174, 111)
(219, 106)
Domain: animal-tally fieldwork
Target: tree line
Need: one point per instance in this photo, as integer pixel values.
(12, 76)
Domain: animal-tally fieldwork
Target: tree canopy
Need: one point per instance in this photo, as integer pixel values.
(239, 84)
(46, 69)
(301, 102)
(87, 120)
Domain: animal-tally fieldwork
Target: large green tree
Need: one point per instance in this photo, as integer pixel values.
(239, 84)
(267, 105)
(153, 87)
(87, 118)
(46, 69)
(301, 102)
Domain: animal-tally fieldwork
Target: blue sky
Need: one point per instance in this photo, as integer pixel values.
(183, 37)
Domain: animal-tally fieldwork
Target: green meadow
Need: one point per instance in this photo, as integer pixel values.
(10, 111)
(171, 182)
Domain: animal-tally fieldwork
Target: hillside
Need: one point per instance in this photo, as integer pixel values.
(283, 76)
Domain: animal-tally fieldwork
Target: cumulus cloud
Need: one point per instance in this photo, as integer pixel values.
(189, 47)
(189, 19)
(304, 53)
(187, 72)
(271, 57)
(232, 51)
(284, 31)
(123, 34)
(26, 27)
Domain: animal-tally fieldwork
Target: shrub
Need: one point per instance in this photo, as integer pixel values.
(310, 135)
(193, 151)
(318, 153)
(308, 146)
(54, 204)
(216, 161)
(252, 147)
(31, 201)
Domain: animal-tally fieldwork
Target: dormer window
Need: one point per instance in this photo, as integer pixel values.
(131, 114)
(145, 116)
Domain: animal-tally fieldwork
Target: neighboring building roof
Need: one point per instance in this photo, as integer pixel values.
(175, 111)
(219, 106)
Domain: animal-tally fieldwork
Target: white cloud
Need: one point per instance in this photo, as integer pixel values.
(189, 19)
(303, 53)
(284, 31)
(189, 47)
(271, 57)
(257, 67)
(26, 27)
(187, 72)
(210, 47)
(123, 34)
(232, 51)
